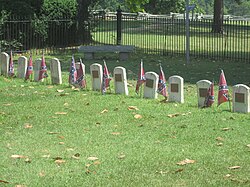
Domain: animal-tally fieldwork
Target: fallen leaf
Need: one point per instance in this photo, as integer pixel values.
(97, 162)
(234, 167)
(76, 89)
(31, 87)
(45, 156)
(248, 145)
(132, 108)
(50, 87)
(61, 143)
(53, 132)
(92, 158)
(60, 91)
(61, 137)
(179, 170)
(60, 161)
(42, 174)
(66, 104)
(121, 156)
(20, 185)
(227, 175)
(18, 156)
(226, 129)
(219, 144)
(186, 161)
(104, 111)
(115, 133)
(137, 116)
(61, 113)
(64, 94)
(27, 160)
(7, 104)
(27, 126)
(22, 86)
(173, 115)
(2, 181)
(2, 113)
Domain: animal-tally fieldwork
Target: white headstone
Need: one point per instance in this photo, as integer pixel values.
(96, 76)
(55, 71)
(120, 77)
(37, 67)
(241, 98)
(22, 67)
(176, 89)
(202, 89)
(151, 85)
(5, 58)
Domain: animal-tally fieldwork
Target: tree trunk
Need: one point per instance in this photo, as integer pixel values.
(83, 22)
(218, 16)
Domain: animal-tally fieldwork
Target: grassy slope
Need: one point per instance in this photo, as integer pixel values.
(131, 152)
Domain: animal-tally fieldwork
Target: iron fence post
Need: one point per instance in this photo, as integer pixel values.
(119, 26)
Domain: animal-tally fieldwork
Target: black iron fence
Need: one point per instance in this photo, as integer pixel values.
(163, 35)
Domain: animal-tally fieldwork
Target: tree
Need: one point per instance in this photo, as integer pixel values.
(218, 16)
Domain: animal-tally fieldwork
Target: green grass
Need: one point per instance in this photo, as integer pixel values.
(130, 151)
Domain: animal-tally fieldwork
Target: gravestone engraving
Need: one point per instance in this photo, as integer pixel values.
(150, 88)
(96, 76)
(202, 89)
(5, 58)
(121, 85)
(176, 89)
(22, 67)
(37, 67)
(55, 71)
(241, 98)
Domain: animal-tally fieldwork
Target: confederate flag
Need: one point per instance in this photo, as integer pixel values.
(29, 68)
(141, 78)
(210, 96)
(106, 78)
(72, 72)
(43, 70)
(11, 65)
(223, 89)
(162, 87)
(80, 79)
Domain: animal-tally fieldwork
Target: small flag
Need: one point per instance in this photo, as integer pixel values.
(162, 86)
(210, 96)
(106, 78)
(141, 78)
(29, 68)
(11, 65)
(223, 89)
(80, 79)
(43, 69)
(72, 72)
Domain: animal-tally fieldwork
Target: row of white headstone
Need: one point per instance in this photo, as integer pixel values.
(241, 93)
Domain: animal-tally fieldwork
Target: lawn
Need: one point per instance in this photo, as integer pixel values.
(53, 135)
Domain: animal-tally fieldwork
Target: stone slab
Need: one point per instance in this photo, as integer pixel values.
(120, 81)
(241, 98)
(151, 85)
(176, 89)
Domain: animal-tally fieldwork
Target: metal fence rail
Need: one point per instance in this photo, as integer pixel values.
(163, 35)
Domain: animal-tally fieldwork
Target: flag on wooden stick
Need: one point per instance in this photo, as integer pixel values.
(11, 65)
(80, 79)
(43, 69)
(223, 89)
(209, 100)
(29, 68)
(141, 78)
(162, 85)
(72, 72)
(106, 78)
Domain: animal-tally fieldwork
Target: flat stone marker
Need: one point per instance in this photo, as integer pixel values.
(96, 76)
(241, 98)
(55, 71)
(151, 85)
(22, 67)
(5, 58)
(120, 77)
(176, 89)
(36, 68)
(202, 89)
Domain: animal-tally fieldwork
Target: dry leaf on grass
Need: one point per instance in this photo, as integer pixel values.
(132, 108)
(53, 132)
(97, 162)
(234, 167)
(186, 161)
(226, 129)
(115, 133)
(27, 160)
(60, 161)
(50, 87)
(92, 158)
(104, 111)
(61, 113)
(61, 143)
(173, 115)
(7, 104)
(60, 91)
(137, 116)
(219, 144)
(27, 126)
(219, 139)
(45, 156)
(2, 181)
(20, 185)
(18, 156)
(179, 170)
(248, 145)
(121, 156)
(76, 156)
(64, 94)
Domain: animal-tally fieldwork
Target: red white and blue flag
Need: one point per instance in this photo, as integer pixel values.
(106, 78)
(29, 70)
(162, 85)
(141, 78)
(72, 72)
(223, 89)
(43, 69)
(11, 65)
(80, 79)
(210, 96)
